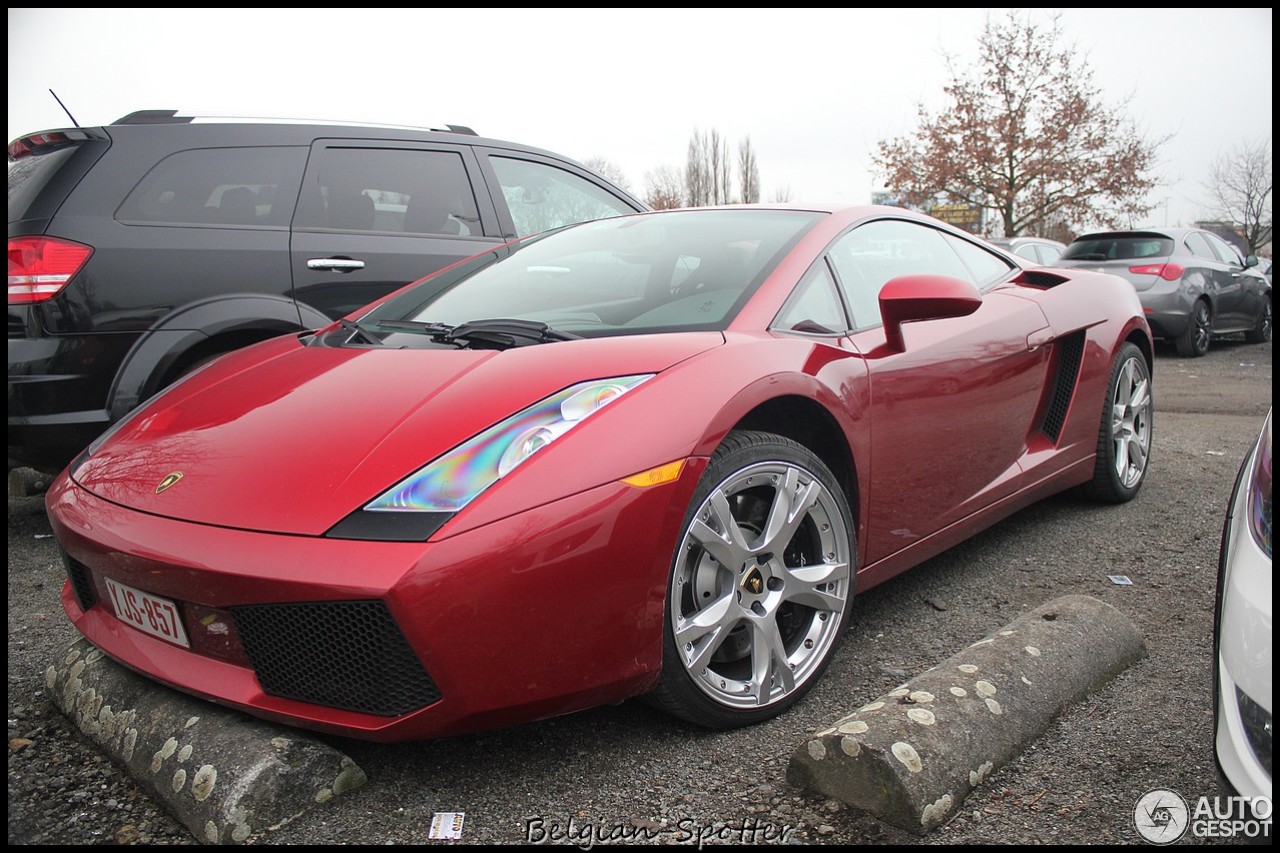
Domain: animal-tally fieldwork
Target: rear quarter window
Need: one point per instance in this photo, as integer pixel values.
(219, 186)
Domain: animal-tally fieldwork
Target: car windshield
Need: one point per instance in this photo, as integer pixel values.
(1118, 247)
(675, 270)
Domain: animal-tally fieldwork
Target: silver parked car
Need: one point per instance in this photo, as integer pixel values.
(1192, 283)
(1038, 250)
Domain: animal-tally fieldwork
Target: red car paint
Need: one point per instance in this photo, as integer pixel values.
(546, 594)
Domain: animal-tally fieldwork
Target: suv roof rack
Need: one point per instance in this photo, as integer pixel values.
(172, 117)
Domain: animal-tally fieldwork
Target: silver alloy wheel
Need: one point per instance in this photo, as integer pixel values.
(761, 584)
(1203, 328)
(1131, 421)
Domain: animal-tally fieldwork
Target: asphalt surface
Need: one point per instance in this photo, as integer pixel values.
(630, 774)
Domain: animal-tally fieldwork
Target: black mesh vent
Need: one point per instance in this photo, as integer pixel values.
(81, 582)
(342, 654)
(1070, 348)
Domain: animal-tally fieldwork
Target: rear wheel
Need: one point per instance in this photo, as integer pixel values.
(1194, 342)
(1124, 436)
(760, 586)
(1261, 333)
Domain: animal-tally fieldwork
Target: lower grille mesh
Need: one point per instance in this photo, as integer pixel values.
(81, 581)
(341, 654)
(1070, 349)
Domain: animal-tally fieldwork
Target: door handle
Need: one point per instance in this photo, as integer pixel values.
(335, 264)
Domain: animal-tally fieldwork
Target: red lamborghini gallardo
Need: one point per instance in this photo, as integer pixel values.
(649, 455)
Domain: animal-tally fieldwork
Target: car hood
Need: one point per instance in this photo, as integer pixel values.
(289, 438)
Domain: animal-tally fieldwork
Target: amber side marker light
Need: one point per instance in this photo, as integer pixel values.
(656, 476)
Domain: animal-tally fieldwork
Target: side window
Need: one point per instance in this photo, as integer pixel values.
(814, 307)
(1048, 254)
(1226, 253)
(1029, 252)
(984, 267)
(543, 197)
(389, 190)
(872, 254)
(1199, 246)
(218, 186)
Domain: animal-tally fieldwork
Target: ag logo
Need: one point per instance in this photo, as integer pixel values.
(169, 482)
(1161, 816)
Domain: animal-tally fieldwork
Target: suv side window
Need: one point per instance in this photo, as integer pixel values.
(390, 190)
(218, 186)
(542, 197)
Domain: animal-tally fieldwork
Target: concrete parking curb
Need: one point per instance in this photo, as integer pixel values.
(223, 775)
(913, 755)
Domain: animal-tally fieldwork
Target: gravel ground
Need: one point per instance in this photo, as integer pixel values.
(629, 773)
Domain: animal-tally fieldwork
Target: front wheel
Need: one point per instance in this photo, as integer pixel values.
(1261, 333)
(1124, 436)
(760, 586)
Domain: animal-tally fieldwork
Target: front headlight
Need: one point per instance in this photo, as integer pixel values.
(1260, 491)
(417, 506)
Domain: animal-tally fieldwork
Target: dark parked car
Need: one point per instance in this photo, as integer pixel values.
(141, 249)
(1039, 250)
(1192, 283)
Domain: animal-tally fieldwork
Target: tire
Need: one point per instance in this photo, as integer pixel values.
(1124, 436)
(1261, 333)
(1194, 342)
(756, 603)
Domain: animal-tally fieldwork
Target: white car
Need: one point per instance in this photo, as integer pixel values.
(1242, 633)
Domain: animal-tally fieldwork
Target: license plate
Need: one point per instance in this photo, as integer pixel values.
(150, 614)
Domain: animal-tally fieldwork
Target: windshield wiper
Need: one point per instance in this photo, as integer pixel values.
(484, 334)
(358, 331)
(416, 327)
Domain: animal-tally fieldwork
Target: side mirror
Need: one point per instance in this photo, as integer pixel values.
(1251, 261)
(910, 298)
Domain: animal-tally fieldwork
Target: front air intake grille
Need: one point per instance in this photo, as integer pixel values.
(1070, 349)
(341, 654)
(81, 582)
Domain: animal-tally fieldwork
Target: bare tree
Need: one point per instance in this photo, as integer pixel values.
(663, 188)
(748, 173)
(707, 177)
(782, 194)
(609, 169)
(1240, 186)
(1027, 137)
(697, 172)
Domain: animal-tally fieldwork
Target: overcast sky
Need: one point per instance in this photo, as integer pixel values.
(814, 89)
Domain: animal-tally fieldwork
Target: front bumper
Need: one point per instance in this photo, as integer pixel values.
(1243, 698)
(549, 611)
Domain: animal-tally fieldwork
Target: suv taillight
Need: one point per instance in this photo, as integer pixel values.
(40, 267)
(36, 143)
(1168, 272)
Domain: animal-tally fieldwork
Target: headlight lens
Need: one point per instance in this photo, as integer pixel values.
(452, 481)
(1260, 491)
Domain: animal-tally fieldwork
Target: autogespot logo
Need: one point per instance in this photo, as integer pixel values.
(1161, 816)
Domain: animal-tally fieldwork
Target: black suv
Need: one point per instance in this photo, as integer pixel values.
(144, 248)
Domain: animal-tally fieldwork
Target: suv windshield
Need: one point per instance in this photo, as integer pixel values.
(683, 270)
(1116, 247)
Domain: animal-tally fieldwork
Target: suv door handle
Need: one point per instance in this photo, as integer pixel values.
(335, 264)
